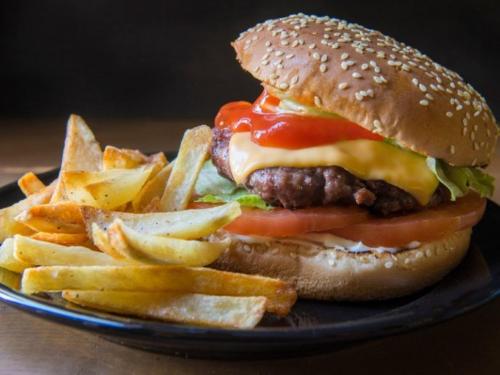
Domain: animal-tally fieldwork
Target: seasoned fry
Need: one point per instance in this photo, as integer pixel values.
(198, 309)
(100, 239)
(108, 189)
(10, 279)
(162, 250)
(281, 295)
(67, 239)
(122, 158)
(8, 260)
(29, 184)
(63, 217)
(9, 226)
(192, 154)
(152, 189)
(186, 224)
(81, 153)
(42, 253)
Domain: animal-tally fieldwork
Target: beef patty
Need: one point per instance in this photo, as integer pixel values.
(306, 187)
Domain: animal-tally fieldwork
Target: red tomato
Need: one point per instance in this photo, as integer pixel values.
(423, 226)
(283, 130)
(281, 222)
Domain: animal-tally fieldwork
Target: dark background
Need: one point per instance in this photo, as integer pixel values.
(157, 59)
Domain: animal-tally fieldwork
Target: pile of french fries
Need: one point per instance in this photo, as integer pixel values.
(113, 233)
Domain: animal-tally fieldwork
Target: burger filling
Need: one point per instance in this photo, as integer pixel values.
(302, 170)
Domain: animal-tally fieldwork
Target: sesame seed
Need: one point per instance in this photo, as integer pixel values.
(344, 56)
(364, 66)
(429, 96)
(422, 87)
(377, 124)
(414, 81)
(268, 44)
(424, 102)
(315, 56)
(294, 80)
(265, 62)
(279, 53)
(343, 85)
(322, 68)
(358, 96)
(312, 46)
(284, 42)
(449, 114)
(335, 45)
(317, 101)
(388, 264)
(324, 58)
(452, 149)
(283, 85)
(289, 56)
(356, 75)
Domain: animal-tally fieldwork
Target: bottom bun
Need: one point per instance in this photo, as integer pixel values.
(330, 274)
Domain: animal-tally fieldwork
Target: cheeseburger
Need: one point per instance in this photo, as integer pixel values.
(358, 167)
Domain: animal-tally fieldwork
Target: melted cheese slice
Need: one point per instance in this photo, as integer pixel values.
(366, 159)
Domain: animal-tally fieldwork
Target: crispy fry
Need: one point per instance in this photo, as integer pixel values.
(186, 224)
(100, 239)
(43, 253)
(63, 217)
(9, 226)
(29, 184)
(108, 189)
(198, 309)
(67, 239)
(281, 295)
(10, 279)
(153, 189)
(8, 260)
(192, 154)
(162, 250)
(81, 153)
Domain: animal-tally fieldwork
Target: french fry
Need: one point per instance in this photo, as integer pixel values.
(186, 224)
(8, 260)
(10, 279)
(63, 217)
(100, 239)
(29, 184)
(81, 153)
(107, 189)
(162, 250)
(281, 295)
(192, 154)
(41, 253)
(9, 226)
(152, 189)
(197, 309)
(121, 158)
(67, 239)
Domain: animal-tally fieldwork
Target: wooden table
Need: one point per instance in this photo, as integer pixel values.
(28, 345)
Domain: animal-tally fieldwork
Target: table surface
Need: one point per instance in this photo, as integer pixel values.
(29, 345)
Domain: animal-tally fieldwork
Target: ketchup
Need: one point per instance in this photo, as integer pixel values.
(286, 130)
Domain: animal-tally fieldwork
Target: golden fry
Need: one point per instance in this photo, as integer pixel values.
(197, 309)
(159, 278)
(10, 279)
(81, 153)
(29, 184)
(67, 239)
(192, 154)
(8, 260)
(63, 217)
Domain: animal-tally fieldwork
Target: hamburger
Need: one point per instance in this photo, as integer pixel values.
(359, 167)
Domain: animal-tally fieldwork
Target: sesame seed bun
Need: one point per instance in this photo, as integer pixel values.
(373, 80)
(330, 274)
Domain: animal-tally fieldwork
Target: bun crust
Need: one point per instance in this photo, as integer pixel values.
(374, 81)
(329, 274)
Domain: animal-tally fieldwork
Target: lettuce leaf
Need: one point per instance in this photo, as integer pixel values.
(459, 180)
(213, 188)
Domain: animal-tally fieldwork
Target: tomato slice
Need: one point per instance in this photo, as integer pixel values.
(270, 128)
(424, 226)
(281, 222)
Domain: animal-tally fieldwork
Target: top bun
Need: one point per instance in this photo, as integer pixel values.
(373, 80)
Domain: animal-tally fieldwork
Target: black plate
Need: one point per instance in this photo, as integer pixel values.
(312, 326)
